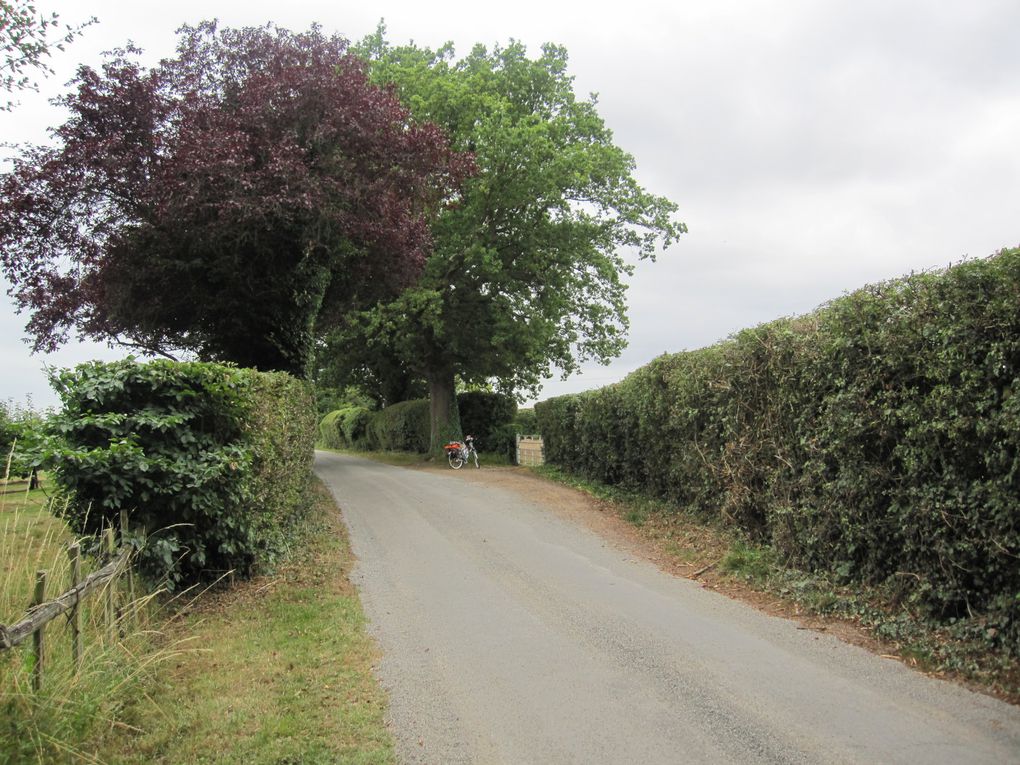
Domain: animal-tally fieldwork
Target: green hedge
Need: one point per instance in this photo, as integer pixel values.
(330, 431)
(405, 426)
(487, 416)
(210, 461)
(345, 428)
(400, 427)
(524, 422)
(877, 439)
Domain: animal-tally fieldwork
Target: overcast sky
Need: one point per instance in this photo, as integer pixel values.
(812, 146)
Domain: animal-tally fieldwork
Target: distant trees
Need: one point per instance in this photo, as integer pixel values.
(233, 201)
(526, 270)
(22, 441)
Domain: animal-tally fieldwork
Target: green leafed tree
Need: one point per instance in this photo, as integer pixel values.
(22, 441)
(527, 268)
(26, 42)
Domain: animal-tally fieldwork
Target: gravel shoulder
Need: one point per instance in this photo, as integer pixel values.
(513, 632)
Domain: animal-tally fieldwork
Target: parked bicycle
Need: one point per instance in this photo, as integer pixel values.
(459, 453)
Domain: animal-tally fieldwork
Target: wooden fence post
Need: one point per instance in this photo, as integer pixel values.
(110, 586)
(130, 568)
(38, 646)
(74, 553)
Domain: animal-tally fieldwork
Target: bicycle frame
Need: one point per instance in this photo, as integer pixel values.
(458, 453)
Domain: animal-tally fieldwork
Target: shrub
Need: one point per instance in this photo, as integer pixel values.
(210, 461)
(345, 428)
(485, 415)
(503, 440)
(400, 427)
(22, 439)
(330, 434)
(354, 425)
(524, 422)
(877, 439)
(405, 426)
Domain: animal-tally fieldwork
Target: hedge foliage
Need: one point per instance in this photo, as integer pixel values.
(488, 417)
(345, 428)
(405, 426)
(210, 461)
(525, 422)
(400, 427)
(877, 439)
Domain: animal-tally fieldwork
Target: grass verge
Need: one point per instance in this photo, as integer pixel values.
(283, 674)
(882, 618)
(50, 724)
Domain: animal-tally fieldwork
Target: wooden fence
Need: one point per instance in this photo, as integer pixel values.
(41, 611)
(530, 450)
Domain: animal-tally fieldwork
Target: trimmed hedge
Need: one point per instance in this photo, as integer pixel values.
(330, 432)
(400, 427)
(210, 461)
(345, 428)
(487, 416)
(405, 426)
(877, 439)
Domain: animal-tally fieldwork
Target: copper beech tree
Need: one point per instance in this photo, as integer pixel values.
(232, 201)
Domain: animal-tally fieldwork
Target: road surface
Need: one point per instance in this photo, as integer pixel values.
(510, 635)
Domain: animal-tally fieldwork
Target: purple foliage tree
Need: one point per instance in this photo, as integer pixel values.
(232, 201)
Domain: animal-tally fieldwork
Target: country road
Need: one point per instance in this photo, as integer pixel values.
(510, 635)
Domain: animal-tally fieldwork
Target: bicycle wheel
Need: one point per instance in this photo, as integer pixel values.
(456, 461)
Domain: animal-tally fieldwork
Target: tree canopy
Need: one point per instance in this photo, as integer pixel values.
(526, 271)
(232, 201)
(26, 42)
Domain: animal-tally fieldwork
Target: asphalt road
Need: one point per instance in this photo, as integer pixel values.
(512, 636)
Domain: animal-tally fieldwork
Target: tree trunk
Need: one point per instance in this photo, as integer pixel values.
(444, 418)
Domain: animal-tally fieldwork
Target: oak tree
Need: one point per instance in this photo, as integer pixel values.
(527, 268)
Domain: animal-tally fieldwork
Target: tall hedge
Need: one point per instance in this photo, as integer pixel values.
(486, 415)
(877, 439)
(400, 427)
(210, 461)
(345, 428)
(405, 426)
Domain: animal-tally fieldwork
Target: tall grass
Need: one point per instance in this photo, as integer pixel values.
(73, 706)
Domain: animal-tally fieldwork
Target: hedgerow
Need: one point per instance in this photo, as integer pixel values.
(210, 461)
(405, 426)
(877, 439)
(400, 427)
(345, 428)
(487, 416)
(524, 421)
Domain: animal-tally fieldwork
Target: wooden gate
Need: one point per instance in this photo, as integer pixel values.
(530, 450)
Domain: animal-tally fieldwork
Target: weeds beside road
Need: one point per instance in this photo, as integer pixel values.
(277, 669)
(282, 672)
(57, 722)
